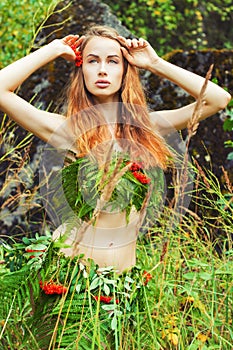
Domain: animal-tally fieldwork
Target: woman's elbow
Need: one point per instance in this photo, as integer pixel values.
(224, 100)
(220, 102)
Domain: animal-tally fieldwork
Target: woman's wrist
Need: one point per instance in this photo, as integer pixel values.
(156, 65)
(55, 48)
(48, 52)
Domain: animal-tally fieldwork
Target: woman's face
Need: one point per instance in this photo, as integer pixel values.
(103, 68)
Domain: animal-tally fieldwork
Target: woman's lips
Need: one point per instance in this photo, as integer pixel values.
(102, 83)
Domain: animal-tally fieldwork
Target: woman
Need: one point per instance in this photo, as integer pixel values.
(106, 86)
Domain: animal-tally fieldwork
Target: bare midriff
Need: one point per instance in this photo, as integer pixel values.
(110, 242)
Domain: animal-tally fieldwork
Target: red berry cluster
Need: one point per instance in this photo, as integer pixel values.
(52, 288)
(78, 54)
(33, 251)
(136, 169)
(105, 299)
(147, 277)
(141, 177)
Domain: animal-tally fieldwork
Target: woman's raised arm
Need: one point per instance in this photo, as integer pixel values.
(141, 54)
(41, 123)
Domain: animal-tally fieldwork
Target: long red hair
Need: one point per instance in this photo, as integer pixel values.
(133, 127)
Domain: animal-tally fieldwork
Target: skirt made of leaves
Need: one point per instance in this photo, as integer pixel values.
(69, 303)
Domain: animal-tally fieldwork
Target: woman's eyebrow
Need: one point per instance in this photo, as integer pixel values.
(114, 55)
(94, 55)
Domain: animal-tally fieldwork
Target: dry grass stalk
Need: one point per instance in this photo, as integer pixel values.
(194, 121)
(202, 174)
(227, 180)
(164, 251)
(194, 215)
(106, 165)
(114, 178)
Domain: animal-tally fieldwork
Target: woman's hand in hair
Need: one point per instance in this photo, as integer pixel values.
(67, 45)
(138, 52)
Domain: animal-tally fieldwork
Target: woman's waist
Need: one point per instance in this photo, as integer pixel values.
(105, 237)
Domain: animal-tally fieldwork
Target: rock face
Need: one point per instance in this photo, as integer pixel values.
(207, 145)
(48, 83)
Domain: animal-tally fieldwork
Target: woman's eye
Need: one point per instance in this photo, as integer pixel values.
(113, 61)
(93, 61)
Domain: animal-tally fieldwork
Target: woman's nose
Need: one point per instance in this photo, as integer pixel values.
(102, 69)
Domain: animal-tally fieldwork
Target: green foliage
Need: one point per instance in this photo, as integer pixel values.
(20, 23)
(222, 8)
(17, 254)
(83, 186)
(187, 303)
(228, 126)
(174, 24)
(80, 316)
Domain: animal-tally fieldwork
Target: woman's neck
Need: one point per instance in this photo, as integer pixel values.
(109, 111)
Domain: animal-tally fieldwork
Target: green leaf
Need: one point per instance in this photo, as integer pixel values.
(109, 307)
(26, 240)
(128, 279)
(85, 274)
(228, 143)
(127, 286)
(105, 269)
(197, 263)
(95, 283)
(37, 247)
(190, 275)
(228, 125)
(106, 289)
(222, 272)
(78, 288)
(113, 282)
(82, 267)
(205, 276)
(114, 323)
(230, 156)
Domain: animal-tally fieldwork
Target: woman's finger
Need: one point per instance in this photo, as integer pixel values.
(121, 39)
(71, 37)
(142, 42)
(78, 41)
(134, 43)
(129, 42)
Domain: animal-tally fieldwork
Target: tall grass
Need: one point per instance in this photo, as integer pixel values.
(187, 303)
